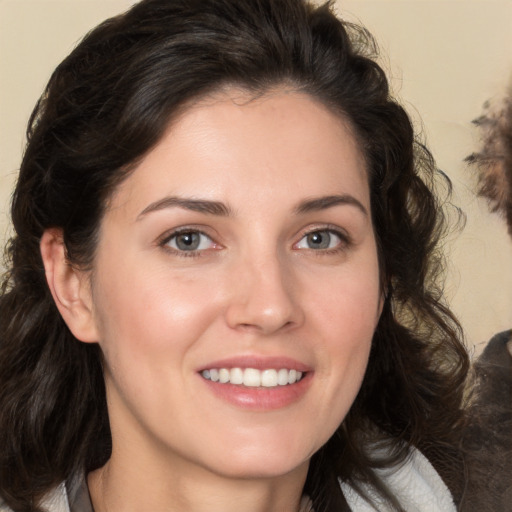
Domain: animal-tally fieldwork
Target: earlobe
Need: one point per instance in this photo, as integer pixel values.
(69, 287)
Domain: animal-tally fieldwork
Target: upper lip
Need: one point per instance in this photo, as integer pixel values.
(258, 363)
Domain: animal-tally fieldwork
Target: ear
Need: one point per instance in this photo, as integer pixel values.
(70, 287)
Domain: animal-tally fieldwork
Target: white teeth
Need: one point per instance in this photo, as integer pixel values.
(269, 378)
(282, 377)
(252, 377)
(236, 376)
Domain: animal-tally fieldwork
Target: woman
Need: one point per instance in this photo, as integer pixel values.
(223, 292)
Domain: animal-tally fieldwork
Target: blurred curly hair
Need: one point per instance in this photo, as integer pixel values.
(493, 162)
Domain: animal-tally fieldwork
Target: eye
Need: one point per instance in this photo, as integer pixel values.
(189, 241)
(322, 239)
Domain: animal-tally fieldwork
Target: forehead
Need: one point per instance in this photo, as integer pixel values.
(275, 145)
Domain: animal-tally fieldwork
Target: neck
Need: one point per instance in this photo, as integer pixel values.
(128, 486)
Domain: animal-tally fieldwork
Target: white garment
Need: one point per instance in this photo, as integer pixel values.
(415, 484)
(56, 501)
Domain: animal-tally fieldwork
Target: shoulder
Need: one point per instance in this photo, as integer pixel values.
(414, 483)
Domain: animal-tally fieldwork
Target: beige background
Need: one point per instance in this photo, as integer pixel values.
(444, 57)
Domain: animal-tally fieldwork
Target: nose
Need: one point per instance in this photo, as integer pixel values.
(264, 297)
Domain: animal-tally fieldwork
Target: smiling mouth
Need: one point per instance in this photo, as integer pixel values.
(252, 377)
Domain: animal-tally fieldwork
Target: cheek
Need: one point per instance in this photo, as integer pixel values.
(345, 316)
(348, 328)
(151, 313)
(349, 304)
(150, 327)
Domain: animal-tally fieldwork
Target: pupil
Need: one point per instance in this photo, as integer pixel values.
(188, 241)
(319, 240)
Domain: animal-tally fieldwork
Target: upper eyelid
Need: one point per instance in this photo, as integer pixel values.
(186, 231)
(168, 235)
(343, 233)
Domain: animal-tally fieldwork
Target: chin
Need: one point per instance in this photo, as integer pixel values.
(268, 461)
(263, 469)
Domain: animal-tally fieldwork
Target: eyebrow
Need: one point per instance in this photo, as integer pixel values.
(220, 209)
(195, 205)
(324, 202)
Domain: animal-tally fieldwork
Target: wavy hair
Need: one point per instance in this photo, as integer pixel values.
(105, 107)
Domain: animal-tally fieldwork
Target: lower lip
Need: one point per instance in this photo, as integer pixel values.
(261, 398)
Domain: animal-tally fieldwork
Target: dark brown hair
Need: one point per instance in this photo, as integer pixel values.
(106, 105)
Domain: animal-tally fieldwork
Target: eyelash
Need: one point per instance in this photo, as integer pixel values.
(166, 239)
(345, 241)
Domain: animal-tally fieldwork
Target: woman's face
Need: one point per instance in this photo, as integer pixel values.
(236, 288)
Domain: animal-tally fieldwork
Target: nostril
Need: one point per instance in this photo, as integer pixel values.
(263, 326)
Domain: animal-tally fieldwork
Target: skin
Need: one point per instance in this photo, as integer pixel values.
(257, 287)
